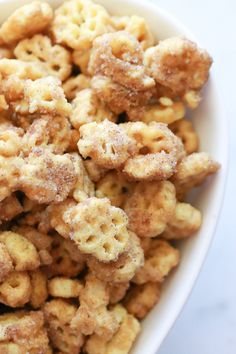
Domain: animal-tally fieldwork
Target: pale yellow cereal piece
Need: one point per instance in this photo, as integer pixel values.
(81, 59)
(160, 259)
(64, 287)
(150, 207)
(9, 208)
(39, 291)
(78, 22)
(117, 292)
(142, 298)
(10, 138)
(10, 171)
(58, 315)
(23, 70)
(6, 265)
(98, 228)
(192, 99)
(178, 64)
(26, 21)
(75, 84)
(55, 58)
(87, 108)
(106, 143)
(185, 131)
(95, 172)
(185, 222)
(15, 290)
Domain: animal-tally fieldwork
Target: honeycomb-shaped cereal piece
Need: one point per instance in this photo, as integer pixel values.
(92, 315)
(26, 21)
(10, 171)
(122, 270)
(178, 64)
(150, 207)
(98, 228)
(10, 138)
(58, 315)
(122, 340)
(117, 292)
(185, 131)
(55, 58)
(39, 291)
(87, 108)
(114, 187)
(75, 84)
(9, 208)
(160, 259)
(6, 265)
(185, 222)
(46, 177)
(95, 172)
(64, 287)
(78, 22)
(23, 70)
(106, 143)
(119, 56)
(158, 151)
(15, 290)
(142, 298)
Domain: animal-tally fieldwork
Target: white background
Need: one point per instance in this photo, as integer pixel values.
(207, 324)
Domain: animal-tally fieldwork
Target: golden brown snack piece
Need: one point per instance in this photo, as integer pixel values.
(192, 171)
(150, 207)
(6, 265)
(142, 298)
(15, 290)
(178, 64)
(87, 108)
(78, 22)
(123, 339)
(126, 266)
(81, 59)
(24, 330)
(160, 259)
(74, 138)
(56, 213)
(192, 99)
(185, 131)
(64, 287)
(98, 228)
(114, 187)
(26, 21)
(39, 49)
(75, 84)
(6, 52)
(92, 315)
(159, 150)
(58, 315)
(95, 172)
(46, 177)
(39, 291)
(23, 70)
(9, 208)
(106, 143)
(10, 138)
(10, 172)
(117, 291)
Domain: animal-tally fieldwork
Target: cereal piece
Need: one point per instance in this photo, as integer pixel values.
(185, 131)
(15, 290)
(55, 58)
(185, 222)
(192, 171)
(3, 104)
(9, 208)
(10, 138)
(192, 99)
(98, 228)
(26, 21)
(22, 252)
(114, 187)
(87, 108)
(6, 265)
(150, 207)
(119, 98)
(123, 339)
(6, 52)
(23, 70)
(75, 84)
(74, 138)
(81, 59)
(53, 133)
(92, 315)
(142, 298)
(39, 292)
(179, 64)
(58, 315)
(95, 172)
(117, 292)
(158, 151)
(64, 287)
(119, 56)
(9, 174)
(46, 177)
(160, 259)
(23, 330)
(106, 143)
(56, 213)
(78, 22)
(122, 270)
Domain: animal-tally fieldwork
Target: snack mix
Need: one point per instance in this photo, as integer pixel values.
(97, 161)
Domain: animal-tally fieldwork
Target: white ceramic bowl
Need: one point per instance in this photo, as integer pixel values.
(210, 123)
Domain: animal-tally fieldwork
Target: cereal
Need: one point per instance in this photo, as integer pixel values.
(10, 138)
(56, 213)
(192, 99)
(23, 70)
(39, 291)
(6, 265)
(9, 208)
(15, 290)
(150, 207)
(64, 287)
(75, 84)
(95, 172)
(117, 292)
(9, 174)
(81, 59)
(26, 21)
(185, 131)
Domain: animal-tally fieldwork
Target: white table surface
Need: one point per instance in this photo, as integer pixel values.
(207, 324)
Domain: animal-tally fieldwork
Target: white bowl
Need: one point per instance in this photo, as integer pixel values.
(210, 123)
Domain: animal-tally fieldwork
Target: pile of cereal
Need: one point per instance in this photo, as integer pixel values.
(96, 162)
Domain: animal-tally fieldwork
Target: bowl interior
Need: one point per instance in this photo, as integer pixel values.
(209, 122)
